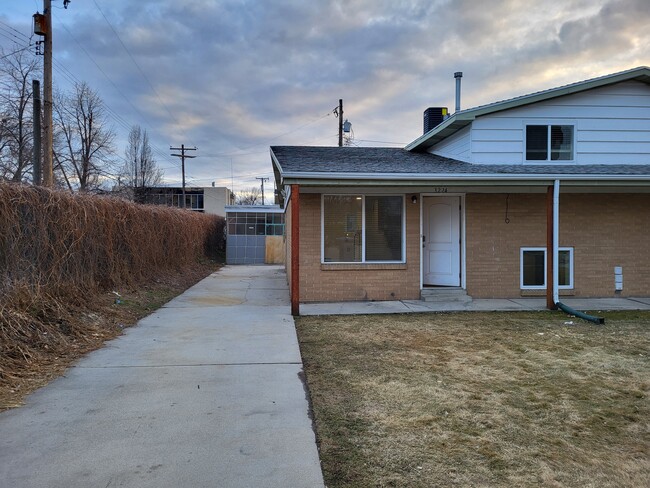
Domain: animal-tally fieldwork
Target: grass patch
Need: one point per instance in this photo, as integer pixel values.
(480, 399)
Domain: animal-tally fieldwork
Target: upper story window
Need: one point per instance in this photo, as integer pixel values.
(549, 143)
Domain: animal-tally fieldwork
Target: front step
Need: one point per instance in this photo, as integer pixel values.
(445, 295)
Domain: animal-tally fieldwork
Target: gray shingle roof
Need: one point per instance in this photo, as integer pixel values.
(306, 160)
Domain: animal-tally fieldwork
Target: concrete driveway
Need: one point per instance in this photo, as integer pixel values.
(205, 392)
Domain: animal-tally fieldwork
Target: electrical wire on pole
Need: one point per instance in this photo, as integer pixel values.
(48, 166)
(339, 113)
(263, 180)
(182, 155)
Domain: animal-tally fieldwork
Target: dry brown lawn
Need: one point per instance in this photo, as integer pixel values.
(480, 399)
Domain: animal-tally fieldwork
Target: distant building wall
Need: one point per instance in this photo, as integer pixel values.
(215, 200)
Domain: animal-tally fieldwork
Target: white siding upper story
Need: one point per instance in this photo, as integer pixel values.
(456, 146)
(611, 126)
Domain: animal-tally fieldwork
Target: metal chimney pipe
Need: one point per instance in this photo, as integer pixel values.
(458, 75)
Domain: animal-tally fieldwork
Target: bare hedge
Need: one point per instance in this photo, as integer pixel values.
(58, 242)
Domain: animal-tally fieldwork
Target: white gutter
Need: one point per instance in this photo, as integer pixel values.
(460, 176)
(556, 240)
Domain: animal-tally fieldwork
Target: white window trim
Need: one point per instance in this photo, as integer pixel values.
(543, 287)
(363, 227)
(548, 125)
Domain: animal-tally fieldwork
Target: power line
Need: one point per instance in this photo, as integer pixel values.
(182, 155)
(155, 149)
(142, 72)
(15, 30)
(383, 142)
(266, 142)
(11, 37)
(68, 75)
(15, 52)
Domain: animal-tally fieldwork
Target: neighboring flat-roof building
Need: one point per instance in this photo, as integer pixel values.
(210, 199)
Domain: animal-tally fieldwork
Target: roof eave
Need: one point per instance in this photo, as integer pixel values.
(336, 178)
(448, 127)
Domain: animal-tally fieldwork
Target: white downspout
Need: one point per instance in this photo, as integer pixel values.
(556, 240)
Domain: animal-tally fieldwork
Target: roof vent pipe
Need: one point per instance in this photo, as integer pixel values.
(458, 75)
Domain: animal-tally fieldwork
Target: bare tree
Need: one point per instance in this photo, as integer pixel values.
(16, 117)
(252, 196)
(140, 169)
(84, 140)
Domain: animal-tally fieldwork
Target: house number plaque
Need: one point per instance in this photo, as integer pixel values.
(439, 189)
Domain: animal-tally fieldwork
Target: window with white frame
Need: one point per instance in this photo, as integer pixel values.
(363, 228)
(533, 268)
(549, 143)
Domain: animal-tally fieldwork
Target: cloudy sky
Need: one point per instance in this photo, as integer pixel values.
(233, 77)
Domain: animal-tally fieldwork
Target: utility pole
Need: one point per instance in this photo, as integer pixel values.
(263, 180)
(36, 90)
(48, 169)
(182, 155)
(340, 115)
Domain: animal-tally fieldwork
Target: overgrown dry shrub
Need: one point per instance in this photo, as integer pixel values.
(58, 250)
(57, 240)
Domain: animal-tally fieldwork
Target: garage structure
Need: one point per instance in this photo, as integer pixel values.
(255, 234)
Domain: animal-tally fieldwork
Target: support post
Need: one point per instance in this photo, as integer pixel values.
(556, 242)
(36, 90)
(550, 304)
(295, 250)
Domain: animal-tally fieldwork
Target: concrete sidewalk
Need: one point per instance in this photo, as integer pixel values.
(477, 305)
(205, 392)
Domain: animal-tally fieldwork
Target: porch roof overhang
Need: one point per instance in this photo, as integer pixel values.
(360, 179)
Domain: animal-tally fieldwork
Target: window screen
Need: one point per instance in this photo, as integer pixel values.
(536, 142)
(561, 142)
(540, 137)
(384, 228)
(564, 268)
(342, 236)
(533, 268)
(344, 233)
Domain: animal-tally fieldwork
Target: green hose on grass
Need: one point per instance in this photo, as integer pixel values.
(584, 316)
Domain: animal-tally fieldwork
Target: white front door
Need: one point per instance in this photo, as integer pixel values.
(441, 241)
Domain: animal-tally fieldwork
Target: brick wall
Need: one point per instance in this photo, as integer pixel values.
(343, 282)
(605, 230)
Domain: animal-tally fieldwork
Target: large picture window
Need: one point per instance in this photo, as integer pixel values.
(360, 228)
(533, 268)
(549, 143)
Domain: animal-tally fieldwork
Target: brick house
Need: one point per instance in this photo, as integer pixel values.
(546, 194)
